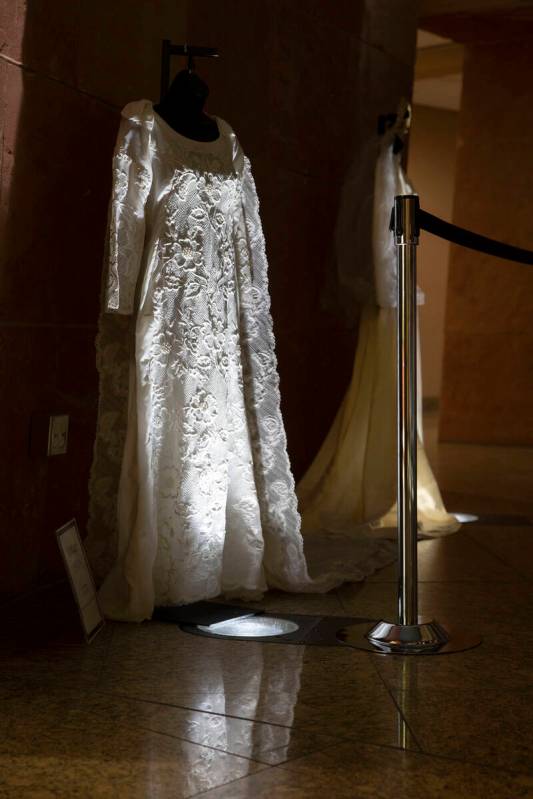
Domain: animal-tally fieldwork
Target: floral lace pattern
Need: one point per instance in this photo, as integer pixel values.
(206, 500)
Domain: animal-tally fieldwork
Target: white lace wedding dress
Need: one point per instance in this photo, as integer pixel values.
(206, 500)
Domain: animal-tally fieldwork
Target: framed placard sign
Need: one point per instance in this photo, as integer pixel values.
(80, 578)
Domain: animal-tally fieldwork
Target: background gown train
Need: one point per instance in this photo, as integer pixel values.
(351, 484)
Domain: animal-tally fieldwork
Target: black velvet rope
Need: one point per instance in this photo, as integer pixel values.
(458, 235)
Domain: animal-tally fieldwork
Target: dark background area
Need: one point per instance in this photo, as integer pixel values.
(302, 84)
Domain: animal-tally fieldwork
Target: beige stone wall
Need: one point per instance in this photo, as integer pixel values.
(302, 83)
(488, 373)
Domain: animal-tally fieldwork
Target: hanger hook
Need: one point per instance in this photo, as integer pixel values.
(190, 60)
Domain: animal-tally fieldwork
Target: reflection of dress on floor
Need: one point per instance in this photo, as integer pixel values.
(206, 501)
(352, 480)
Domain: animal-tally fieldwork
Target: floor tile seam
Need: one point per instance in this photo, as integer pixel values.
(420, 753)
(394, 701)
(375, 692)
(197, 710)
(60, 726)
(296, 729)
(231, 782)
(299, 727)
(260, 766)
(498, 557)
(349, 738)
(311, 750)
(476, 763)
(424, 751)
(194, 743)
(289, 764)
(356, 742)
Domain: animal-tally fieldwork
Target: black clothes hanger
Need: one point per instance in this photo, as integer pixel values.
(182, 103)
(400, 121)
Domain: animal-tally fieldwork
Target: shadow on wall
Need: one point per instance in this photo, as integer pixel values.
(67, 70)
(301, 85)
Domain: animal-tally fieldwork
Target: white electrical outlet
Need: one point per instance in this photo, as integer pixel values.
(58, 435)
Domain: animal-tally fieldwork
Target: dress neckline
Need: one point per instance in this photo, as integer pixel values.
(185, 140)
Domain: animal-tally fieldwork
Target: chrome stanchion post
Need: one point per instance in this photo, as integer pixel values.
(410, 635)
(406, 233)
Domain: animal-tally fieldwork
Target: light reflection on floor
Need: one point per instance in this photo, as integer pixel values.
(149, 711)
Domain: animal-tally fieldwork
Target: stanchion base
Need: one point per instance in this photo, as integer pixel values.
(424, 638)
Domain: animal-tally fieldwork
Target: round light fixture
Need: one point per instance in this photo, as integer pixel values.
(250, 627)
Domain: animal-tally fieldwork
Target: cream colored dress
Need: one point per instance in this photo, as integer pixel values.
(351, 485)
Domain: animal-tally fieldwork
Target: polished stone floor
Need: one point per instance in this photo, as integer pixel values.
(150, 711)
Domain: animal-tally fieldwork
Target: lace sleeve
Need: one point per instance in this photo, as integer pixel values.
(284, 559)
(132, 177)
